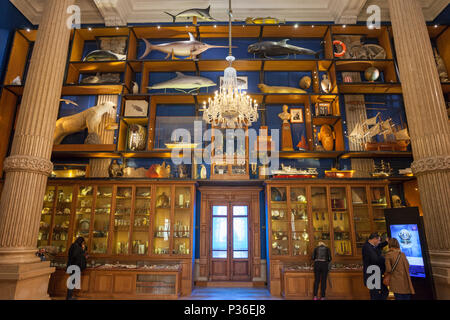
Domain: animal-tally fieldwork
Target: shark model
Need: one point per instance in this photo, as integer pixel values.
(183, 82)
(279, 48)
(189, 48)
(199, 13)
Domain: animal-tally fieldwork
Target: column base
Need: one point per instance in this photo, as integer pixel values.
(25, 281)
(440, 265)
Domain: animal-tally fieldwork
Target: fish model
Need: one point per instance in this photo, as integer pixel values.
(183, 82)
(268, 49)
(274, 89)
(267, 20)
(104, 55)
(202, 14)
(189, 48)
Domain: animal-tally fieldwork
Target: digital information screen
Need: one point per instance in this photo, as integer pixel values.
(408, 237)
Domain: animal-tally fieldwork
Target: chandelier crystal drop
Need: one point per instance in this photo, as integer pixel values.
(230, 107)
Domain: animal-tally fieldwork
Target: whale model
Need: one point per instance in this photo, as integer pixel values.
(268, 49)
(183, 82)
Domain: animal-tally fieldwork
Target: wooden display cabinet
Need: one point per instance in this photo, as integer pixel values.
(122, 220)
(340, 213)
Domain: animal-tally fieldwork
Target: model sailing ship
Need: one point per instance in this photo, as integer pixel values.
(289, 172)
(383, 170)
(394, 139)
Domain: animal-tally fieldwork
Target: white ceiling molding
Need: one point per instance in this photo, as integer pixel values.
(121, 12)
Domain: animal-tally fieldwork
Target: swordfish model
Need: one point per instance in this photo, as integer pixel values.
(190, 48)
(183, 82)
(279, 48)
(199, 13)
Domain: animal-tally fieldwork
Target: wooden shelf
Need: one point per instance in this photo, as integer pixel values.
(376, 154)
(370, 88)
(446, 87)
(361, 65)
(92, 89)
(309, 154)
(321, 120)
(85, 151)
(165, 32)
(290, 31)
(98, 66)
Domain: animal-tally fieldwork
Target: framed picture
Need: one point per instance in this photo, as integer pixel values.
(241, 81)
(297, 115)
(136, 108)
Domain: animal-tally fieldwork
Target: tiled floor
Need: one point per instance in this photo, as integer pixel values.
(205, 293)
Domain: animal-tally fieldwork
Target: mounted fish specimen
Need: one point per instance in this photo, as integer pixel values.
(102, 78)
(189, 48)
(66, 101)
(182, 82)
(90, 119)
(267, 20)
(275, 89)
(104, 55)
(202, 14)
(268, 49)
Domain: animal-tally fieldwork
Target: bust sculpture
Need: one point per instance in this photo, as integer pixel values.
(286, 135)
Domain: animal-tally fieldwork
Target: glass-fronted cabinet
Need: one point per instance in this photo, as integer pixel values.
(182, 221)
(299, 222)
(162, 220)
(61, 221)
(361, 216)
(141, 221)
(46, 217)
(122, 219)
(378, 203)
(320, 216)
(280, 221)
(102, 216)
(341, 221)
(83, 214)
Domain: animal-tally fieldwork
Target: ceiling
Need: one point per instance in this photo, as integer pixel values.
(122, 12)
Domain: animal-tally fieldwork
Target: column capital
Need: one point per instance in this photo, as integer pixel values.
(26, 163)
(431, 164)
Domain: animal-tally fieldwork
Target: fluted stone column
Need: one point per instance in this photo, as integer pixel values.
(22, 275)
(429, 130)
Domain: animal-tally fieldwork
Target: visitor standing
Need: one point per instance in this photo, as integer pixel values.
(322, 264)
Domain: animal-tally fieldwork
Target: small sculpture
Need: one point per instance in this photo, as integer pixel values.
(17, 81)
(305, 83)
(159, 171)
(442, 70)
(115, 170)
(135, 88)
(327, 136)
(90, 119)
(326, 84)
(372, 74)
(182, 171)
(396, 201)
(203, 172)
(136, 137)
(286, 135)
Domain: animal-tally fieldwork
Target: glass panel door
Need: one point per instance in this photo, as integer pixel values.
(280, 221)
(379, 203)
(62, 218)
(83, 213)
(240, 232)
(141, 222)
(321, 222)
(361, 217)
(161, 243)
(341, 222)
(46, 217)
(182, 221)
(299, 222)
(220, 232)
(101, 220)
(122, 214)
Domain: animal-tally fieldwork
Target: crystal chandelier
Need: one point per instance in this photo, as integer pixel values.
(231, 107)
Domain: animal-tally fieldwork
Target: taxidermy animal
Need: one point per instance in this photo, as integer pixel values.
(104, 55)
(202, 14)
(89, 119)
(268, 49)
(274, 89)
(189, 48)
(159, 171)
(136, 138)
(102, 78)
(182, 82)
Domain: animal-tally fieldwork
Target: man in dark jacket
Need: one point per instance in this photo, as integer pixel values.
(372, 256)
(77, 257)
(322, 260)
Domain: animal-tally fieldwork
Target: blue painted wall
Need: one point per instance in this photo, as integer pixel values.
(10, 20)
(444, 17)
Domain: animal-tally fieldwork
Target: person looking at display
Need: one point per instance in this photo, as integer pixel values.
(77, 257)
(397, 272)
(372, 256)
(322, 264)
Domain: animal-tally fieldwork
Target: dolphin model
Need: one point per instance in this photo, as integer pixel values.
(189, 48)
(202, 14)
(279, 48)
(183, 82)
